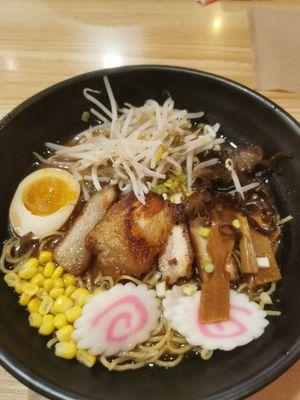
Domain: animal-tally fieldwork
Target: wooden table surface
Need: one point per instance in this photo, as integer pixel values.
(45, 41)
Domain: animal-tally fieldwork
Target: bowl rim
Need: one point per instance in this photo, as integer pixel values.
(243, 389)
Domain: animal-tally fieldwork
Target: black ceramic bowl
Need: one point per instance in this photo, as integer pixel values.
(245, 117)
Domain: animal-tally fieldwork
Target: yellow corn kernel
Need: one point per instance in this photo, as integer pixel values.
(46, 305)
(66, 350)
(11, 278)
(35, 320)
(60, 321)
(41, 269)
(69, 290)
(34, 305)
(38, 279)
(49, 269)
(45, 256)
(30, 289)
(57, 272)
(24, 299)
(59, 283)
(52, 310)
(19, 288)
(64, 334)
(47, 326)
(85, 358)
(48, 284)
(41, 293)
(98, 291)
(55, 292)
(69, 279)
(63, 303)
(80, 295)
(29, 269)
(73, 313)
(31, 262)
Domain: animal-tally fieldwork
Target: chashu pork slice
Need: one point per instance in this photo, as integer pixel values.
(71, 253)
(176, 258)
(131, 234)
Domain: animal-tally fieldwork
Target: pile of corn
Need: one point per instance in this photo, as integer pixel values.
(54, 301)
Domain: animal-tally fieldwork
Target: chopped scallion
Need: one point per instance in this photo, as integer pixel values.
(208, 266)
(263, 262)
(85, 116)
(170, 183)
(159, 189)
(236, 223)
(181, 178)
(204, 232)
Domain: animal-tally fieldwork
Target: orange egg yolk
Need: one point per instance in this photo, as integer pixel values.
(47, 195)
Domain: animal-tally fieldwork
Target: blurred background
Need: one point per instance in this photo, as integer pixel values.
(256, 43)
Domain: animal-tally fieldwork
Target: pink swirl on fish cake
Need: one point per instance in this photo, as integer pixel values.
(118, 319)
(207, 329)
(247, 321)
(127, 316)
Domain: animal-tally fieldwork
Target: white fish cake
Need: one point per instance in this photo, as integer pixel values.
(247, 321)
(118, 319)
(170, 301)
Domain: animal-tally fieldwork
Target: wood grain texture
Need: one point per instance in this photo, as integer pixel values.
(45, 41)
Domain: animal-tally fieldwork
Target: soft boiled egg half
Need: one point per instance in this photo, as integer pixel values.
(43, 202)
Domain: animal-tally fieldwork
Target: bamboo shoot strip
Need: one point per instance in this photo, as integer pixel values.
(248, 255)
(214, 304)
(201, 256)
(263, 248)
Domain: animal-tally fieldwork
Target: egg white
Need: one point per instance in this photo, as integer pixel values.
(23, 221)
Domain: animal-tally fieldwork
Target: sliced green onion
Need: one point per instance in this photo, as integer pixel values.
(229, 267)
(189, 289)
(181, 178)
(170, 183)
(236, 223)
(263, 262)
(208, 266)
(156, 190)
(85, 116)
(204, 232)
(176, 198)
(159, 189)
